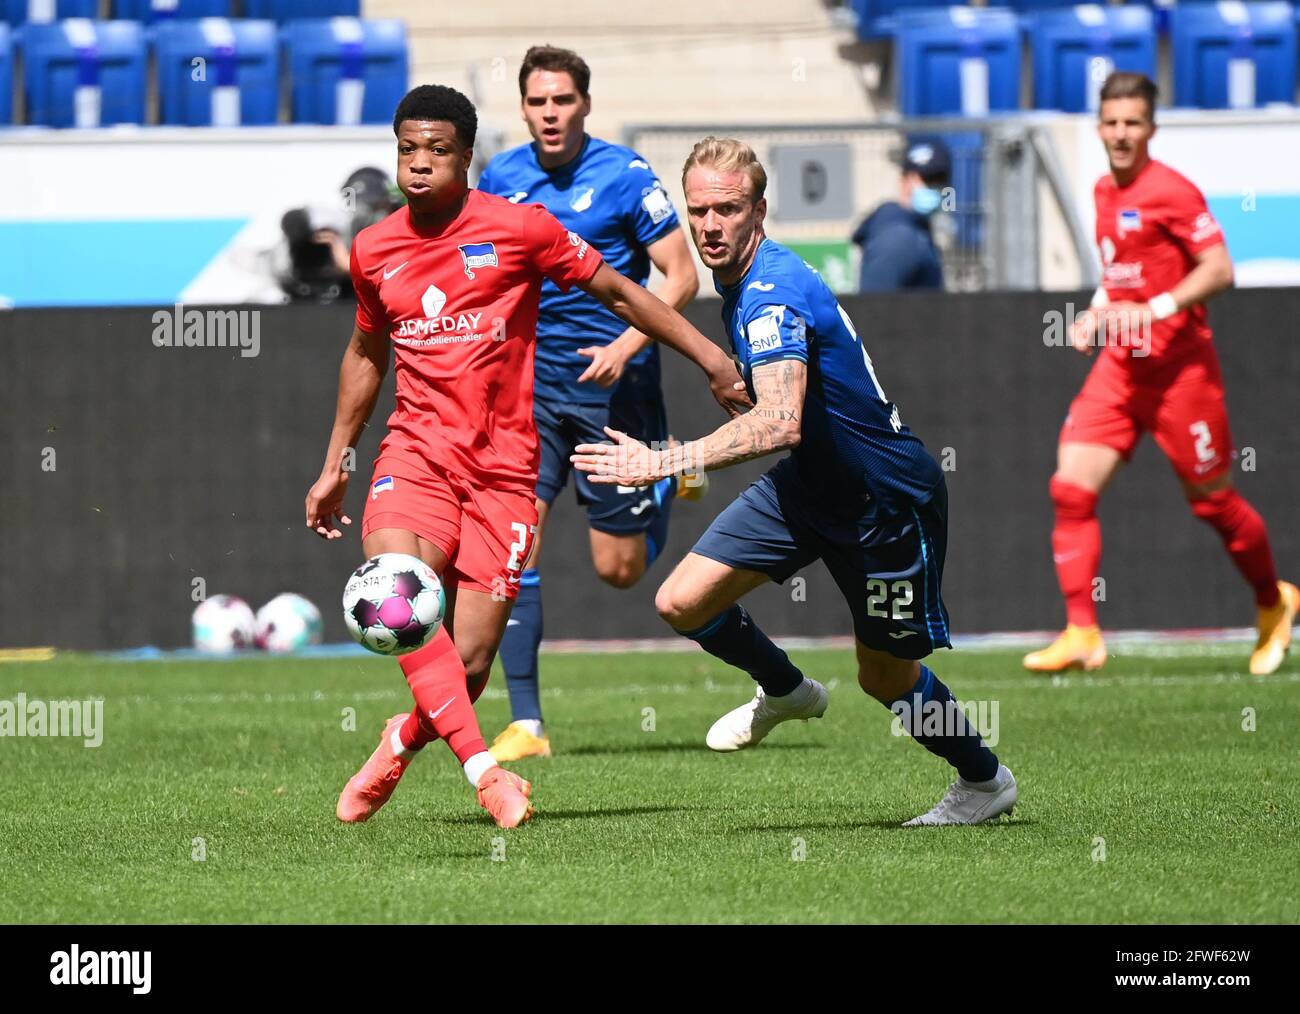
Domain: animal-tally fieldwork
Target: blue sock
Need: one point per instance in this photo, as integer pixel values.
(665, 492)
(932, 717)
(736, 639)
(519, 649)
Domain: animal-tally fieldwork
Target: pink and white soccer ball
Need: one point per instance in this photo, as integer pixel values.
(223, 623)
(288, 622)
(393, 604)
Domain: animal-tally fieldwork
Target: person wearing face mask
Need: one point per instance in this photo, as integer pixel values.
(898, 251)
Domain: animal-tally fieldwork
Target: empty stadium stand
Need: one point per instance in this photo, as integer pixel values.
(345, 70)
(217, 72)
(150, 11)
(319, 61)
(1075, 48)
(18, 12)
(957, 61)
(84, 73)
(652, 63)
(1233, 55)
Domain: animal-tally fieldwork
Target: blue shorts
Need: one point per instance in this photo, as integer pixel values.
(889, 569)
(562, 426)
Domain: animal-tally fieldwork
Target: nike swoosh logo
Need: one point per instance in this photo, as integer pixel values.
(762, 286)
(512, 623)
(1065, 557)
(389, 274)
(640, 508)
(898, 635)
(434, 714)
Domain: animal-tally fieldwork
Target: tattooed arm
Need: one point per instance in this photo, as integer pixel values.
(772, 425)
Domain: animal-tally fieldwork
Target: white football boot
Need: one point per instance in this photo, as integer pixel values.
(966, 804)
(748, 724)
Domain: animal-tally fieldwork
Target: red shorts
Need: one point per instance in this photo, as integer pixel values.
(1186, 414)
(486, 534)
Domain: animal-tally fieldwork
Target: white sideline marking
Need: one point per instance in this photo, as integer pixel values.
(1028, 681)
(1155, 643)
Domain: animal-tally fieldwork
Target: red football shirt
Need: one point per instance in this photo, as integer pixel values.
(460, 306)
(1149, 233)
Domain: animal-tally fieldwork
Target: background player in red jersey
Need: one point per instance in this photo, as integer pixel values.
(452, 281)
(1163, 255)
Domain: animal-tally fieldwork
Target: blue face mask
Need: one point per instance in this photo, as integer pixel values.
(926, 200)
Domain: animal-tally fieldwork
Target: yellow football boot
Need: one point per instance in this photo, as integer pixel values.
(1275, 631)
(516, 743)
(1076, 648)
(691, 485)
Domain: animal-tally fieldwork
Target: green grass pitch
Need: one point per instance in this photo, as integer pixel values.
(1143, 799)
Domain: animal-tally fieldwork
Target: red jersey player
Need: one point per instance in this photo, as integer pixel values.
(452, 283)
(1163, 255)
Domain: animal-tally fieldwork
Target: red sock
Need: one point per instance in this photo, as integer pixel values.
(1245, 538)
(444, 707)
(1076, 549)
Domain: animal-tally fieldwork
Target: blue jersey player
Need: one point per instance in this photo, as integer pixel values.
(591, 370)
(858, 491)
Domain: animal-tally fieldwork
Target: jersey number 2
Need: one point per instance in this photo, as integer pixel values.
(519, 545)
(1204, 451)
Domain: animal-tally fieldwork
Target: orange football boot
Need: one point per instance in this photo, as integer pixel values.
(1076, 648)
(1275, 631)
(370, 787)
(691, 485)
(516, 743)
(505, 796)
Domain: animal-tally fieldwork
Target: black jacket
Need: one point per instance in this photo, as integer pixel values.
(898, 251)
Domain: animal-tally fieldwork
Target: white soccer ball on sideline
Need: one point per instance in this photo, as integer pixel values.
(288, 622)
(393, 604)
(223, 623)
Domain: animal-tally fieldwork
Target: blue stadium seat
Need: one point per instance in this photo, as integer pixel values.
(6, 76)
(239, 84)
(1233, 55)
(17, 12)
(159, 10)
(1034, 6)
(83, 73)
(288, 10)
(344, 70)
(1074, 48)
(1161, 9)
(876, 18)
(958, 61)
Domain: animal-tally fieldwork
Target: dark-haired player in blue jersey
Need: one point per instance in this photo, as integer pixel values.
(858, 491)
(591, 370)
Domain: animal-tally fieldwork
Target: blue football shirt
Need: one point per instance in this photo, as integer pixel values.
(853, 442)
(608, 195)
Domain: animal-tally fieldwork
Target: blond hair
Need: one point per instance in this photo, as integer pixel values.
(728, 155)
